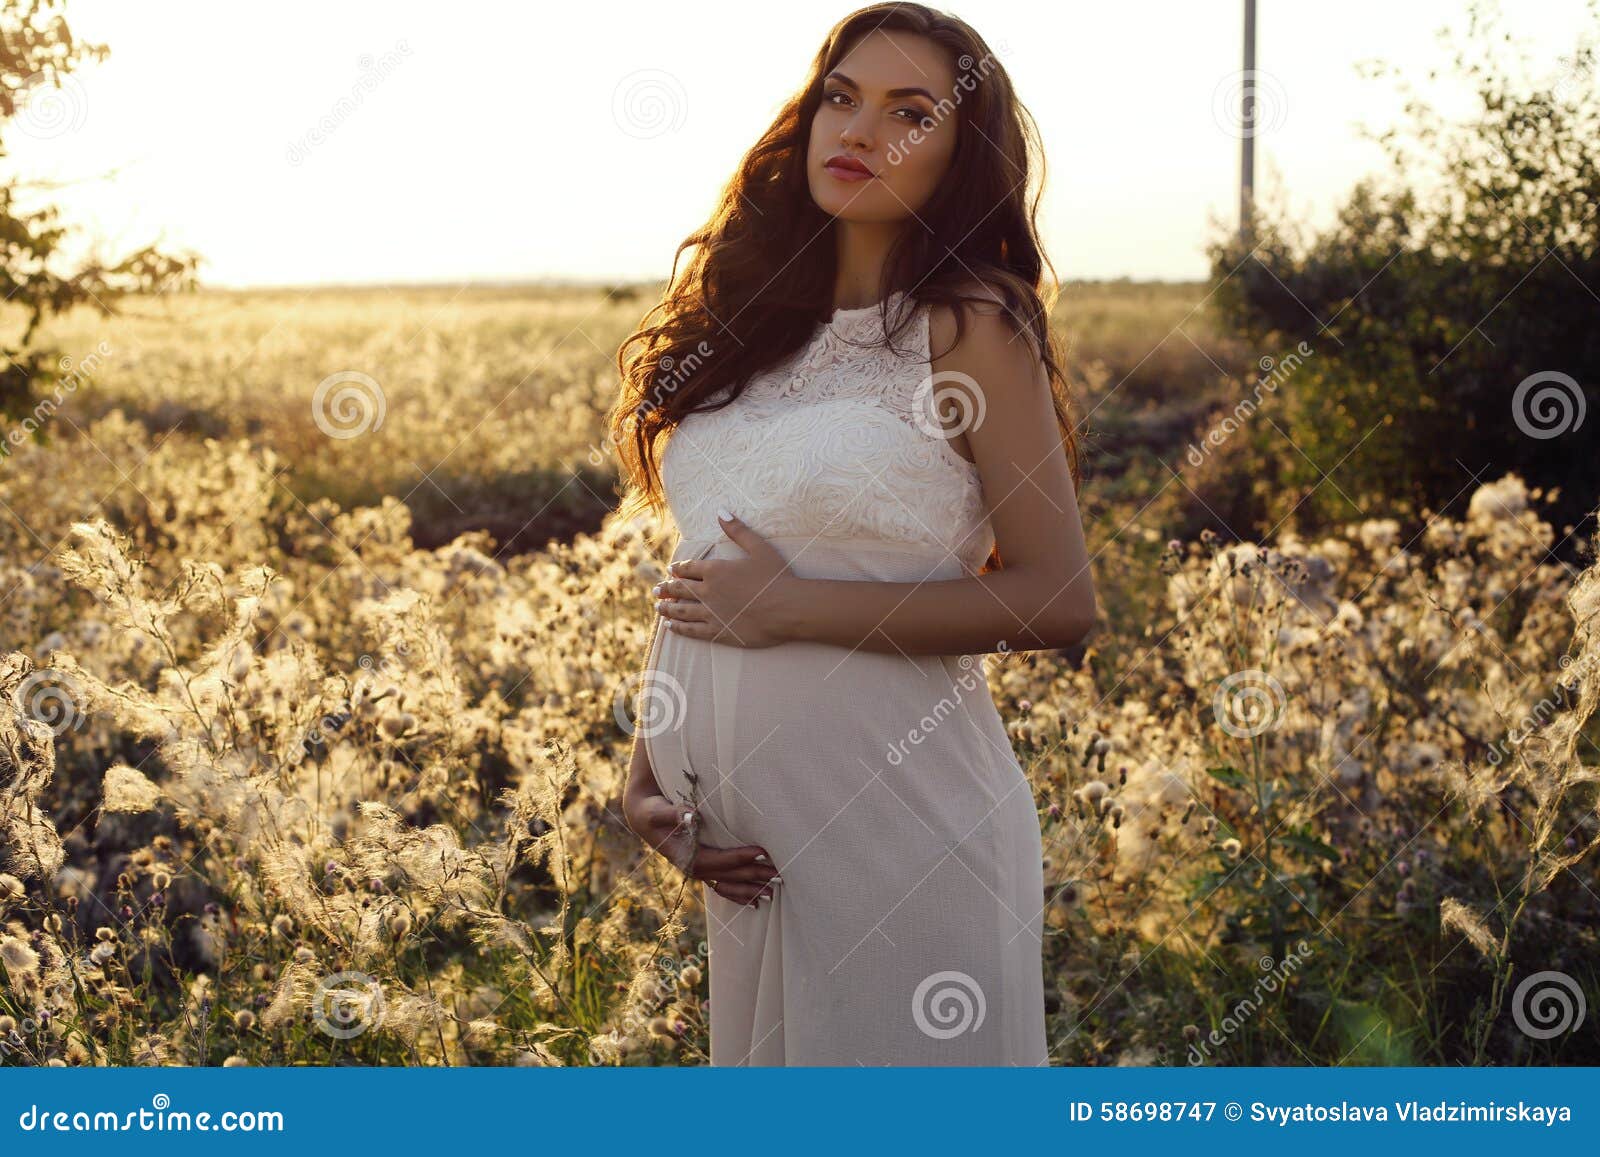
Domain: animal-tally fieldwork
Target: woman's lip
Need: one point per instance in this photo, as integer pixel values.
(845, 173)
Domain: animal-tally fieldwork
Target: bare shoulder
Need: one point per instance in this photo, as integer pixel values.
(992, 334)
(942, 317)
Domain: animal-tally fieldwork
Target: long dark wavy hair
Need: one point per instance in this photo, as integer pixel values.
(761, 279)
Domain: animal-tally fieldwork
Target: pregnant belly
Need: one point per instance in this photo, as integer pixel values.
(807, 744)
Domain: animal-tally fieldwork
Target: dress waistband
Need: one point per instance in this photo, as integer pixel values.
(822, 556)
(700, 544)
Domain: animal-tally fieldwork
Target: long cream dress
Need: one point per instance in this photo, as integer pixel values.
(907, 927)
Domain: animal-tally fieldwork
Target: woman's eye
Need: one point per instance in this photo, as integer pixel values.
(840, 98)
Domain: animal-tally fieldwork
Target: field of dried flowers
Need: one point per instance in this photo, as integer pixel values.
(281, 785)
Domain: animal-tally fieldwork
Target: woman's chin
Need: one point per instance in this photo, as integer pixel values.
(858, 210)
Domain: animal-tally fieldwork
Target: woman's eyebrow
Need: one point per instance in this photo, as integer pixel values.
(892, 93)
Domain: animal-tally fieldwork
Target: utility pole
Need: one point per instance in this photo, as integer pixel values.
(1247, 118)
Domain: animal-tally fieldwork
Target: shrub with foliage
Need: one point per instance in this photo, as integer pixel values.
(1450, 311)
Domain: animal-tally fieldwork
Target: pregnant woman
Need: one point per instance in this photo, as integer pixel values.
(870, 466)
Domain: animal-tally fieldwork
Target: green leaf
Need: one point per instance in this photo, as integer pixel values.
(1231, 776)
(1302, 840)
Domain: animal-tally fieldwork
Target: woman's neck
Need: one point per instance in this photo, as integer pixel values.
(861, 250)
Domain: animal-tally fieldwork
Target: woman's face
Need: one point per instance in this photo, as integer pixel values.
(889, 106)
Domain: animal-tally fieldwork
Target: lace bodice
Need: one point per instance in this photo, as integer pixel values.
(837, 441)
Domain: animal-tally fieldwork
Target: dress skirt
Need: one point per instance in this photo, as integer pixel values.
(907, 928)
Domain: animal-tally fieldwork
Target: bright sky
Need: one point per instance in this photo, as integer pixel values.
(499, 140)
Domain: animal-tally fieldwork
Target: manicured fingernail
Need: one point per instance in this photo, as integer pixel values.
(725, 514)
(776, 880)
(761, 858)
(688, 817)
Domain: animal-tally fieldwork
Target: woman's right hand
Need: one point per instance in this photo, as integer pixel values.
(672, 829)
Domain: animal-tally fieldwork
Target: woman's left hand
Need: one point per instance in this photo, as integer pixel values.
(729, 600)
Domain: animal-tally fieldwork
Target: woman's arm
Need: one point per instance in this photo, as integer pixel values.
(641, 776)
(1042, 596)
(743, 874)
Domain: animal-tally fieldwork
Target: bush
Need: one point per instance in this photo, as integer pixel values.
(1450, 310)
